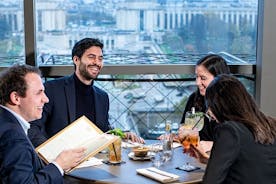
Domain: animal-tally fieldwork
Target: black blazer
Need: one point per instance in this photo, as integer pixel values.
(19, 162)
(61, 109)
(236, 158)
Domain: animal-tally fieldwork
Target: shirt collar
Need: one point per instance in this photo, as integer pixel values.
(25, 125)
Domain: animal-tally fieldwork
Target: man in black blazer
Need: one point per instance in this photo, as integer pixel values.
(22, 99)
(72, 96)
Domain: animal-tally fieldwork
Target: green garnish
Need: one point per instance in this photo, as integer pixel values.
(196, 114)
(117, 132)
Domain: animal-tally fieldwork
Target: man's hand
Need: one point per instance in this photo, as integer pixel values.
(175, 137)
(134, 138)
(68, 159)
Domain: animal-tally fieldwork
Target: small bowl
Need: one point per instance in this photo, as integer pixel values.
(140, 151)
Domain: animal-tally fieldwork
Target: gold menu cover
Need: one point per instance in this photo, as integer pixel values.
(80, 133)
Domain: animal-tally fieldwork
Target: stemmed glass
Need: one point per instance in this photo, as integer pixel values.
(189, 133)
(194, 120)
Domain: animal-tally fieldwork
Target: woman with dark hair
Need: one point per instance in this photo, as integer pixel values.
(206, 69)
(245, 138)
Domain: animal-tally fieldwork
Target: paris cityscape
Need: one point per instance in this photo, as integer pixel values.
(136, 32)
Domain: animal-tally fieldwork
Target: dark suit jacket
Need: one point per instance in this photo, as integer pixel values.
(19, 162)
(237, 158)
(61, 109)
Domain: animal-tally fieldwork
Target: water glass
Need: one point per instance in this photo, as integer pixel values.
(157, 155)
(168, 149)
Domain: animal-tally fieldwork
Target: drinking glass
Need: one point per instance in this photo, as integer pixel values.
(168, 141)
(194, 120)
(167, 149)
(188, 134)
(157, 155)
(115, 151)
(188, 137)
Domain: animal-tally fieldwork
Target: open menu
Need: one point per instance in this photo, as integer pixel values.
(80, 133)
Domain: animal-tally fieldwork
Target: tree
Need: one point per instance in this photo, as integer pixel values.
(198, 25)
(4, 28)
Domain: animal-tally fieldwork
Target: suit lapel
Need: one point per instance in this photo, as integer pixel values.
(71, 98)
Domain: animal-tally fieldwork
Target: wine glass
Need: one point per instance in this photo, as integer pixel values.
(189, 134)
(194, 120)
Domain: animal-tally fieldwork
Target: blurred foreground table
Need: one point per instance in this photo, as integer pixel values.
(126, 173)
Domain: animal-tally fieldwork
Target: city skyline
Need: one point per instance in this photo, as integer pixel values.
(138, 29)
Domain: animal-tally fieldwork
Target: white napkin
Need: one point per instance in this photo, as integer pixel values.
(93, 161)
(156, 174)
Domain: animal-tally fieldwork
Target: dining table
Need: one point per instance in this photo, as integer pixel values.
(125, 172)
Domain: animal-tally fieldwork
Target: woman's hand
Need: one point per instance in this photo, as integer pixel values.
(206, 145)
(198, 153)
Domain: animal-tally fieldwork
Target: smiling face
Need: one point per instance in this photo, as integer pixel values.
(30, 107)
(203, 78)
(89, 65)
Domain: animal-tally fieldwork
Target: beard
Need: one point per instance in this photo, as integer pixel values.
(85, 73)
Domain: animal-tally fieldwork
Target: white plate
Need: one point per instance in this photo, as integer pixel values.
(147, 157)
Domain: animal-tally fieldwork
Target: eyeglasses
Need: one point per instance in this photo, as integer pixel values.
(210, 115)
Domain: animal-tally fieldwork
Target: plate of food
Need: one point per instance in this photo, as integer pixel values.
(146, 157)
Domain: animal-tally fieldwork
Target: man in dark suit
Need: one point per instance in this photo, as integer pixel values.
(73, 96)
(22, 99)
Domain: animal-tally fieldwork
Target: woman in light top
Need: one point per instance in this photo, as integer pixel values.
(245, 139)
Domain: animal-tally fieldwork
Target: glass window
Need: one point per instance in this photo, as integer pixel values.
(11, 32)
(157, 30)
(149, 32)
(142, 103)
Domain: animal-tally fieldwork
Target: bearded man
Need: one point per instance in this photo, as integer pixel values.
(73, 96)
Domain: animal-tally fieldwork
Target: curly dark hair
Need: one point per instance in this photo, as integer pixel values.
(13, 79)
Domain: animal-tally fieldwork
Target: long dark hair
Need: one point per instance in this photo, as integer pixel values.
(228, 100)
(216, 65)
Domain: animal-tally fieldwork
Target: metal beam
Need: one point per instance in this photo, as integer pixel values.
(29, 30)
